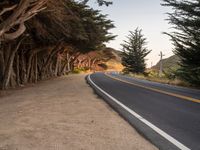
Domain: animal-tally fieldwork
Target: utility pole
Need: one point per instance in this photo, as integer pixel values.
(161, 64)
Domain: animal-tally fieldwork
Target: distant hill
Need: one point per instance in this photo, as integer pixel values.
(170, 63)
(114, 59)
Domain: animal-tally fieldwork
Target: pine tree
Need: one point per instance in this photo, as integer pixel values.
(134, 52)
(185, 19)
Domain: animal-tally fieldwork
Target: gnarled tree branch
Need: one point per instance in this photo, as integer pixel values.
(7, 9)
(14, 35)
(25, 10)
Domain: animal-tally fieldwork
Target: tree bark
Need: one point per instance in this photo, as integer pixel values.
(9, 66)
(32, 53)
(2, 64)
(23, 71)
(22, 12)
(53, 52)
(17, 70)
(56, 67)
(36, 69)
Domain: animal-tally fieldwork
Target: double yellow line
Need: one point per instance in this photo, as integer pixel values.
(157, 90)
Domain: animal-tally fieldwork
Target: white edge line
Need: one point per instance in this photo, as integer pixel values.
(152, 126)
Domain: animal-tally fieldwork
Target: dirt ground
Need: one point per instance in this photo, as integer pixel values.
(63, 114)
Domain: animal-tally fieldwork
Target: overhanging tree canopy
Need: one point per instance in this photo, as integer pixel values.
(52, 41)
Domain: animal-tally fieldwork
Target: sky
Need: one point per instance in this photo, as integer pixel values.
(147, 15)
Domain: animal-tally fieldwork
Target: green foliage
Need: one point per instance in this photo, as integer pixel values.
(153, 73)
(170, 74)
(75, 23)
(54, 38)
(134, 52)
(186, 21)
(80, 70)
(92, 27)
(171, 63)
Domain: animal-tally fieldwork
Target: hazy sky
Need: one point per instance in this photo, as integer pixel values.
(148, 15)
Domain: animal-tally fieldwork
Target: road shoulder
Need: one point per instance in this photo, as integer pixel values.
(63, 113)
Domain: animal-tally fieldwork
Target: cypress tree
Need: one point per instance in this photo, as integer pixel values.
(134, 52)
(185, 19)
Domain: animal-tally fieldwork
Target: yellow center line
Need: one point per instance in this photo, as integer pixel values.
(157, 90)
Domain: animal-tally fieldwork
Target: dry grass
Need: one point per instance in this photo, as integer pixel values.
(163, 80)
(114, 65)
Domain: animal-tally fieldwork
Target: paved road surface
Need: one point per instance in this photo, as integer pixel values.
(174, 110)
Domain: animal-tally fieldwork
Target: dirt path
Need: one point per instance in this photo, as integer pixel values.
(63, 114)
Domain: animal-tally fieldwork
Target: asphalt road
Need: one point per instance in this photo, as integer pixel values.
(174, 110)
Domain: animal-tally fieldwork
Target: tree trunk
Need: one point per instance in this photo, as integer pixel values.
(23, 72)
(56, 67)
(9, 66)
(2, 65)
(36, 69)
(53, 52)
(17, 70)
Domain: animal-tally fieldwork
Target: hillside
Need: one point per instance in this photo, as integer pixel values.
(100, 60)
(170, 63)
(115, 62)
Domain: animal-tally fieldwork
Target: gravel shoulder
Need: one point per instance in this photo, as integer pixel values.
(60, 114)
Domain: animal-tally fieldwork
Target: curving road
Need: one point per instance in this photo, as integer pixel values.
(168, 116)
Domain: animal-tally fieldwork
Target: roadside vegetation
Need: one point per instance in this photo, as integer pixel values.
(185, 19)
(168, 76)
(134, 52)
(184, 68)
(153, 75)
(40, 39)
